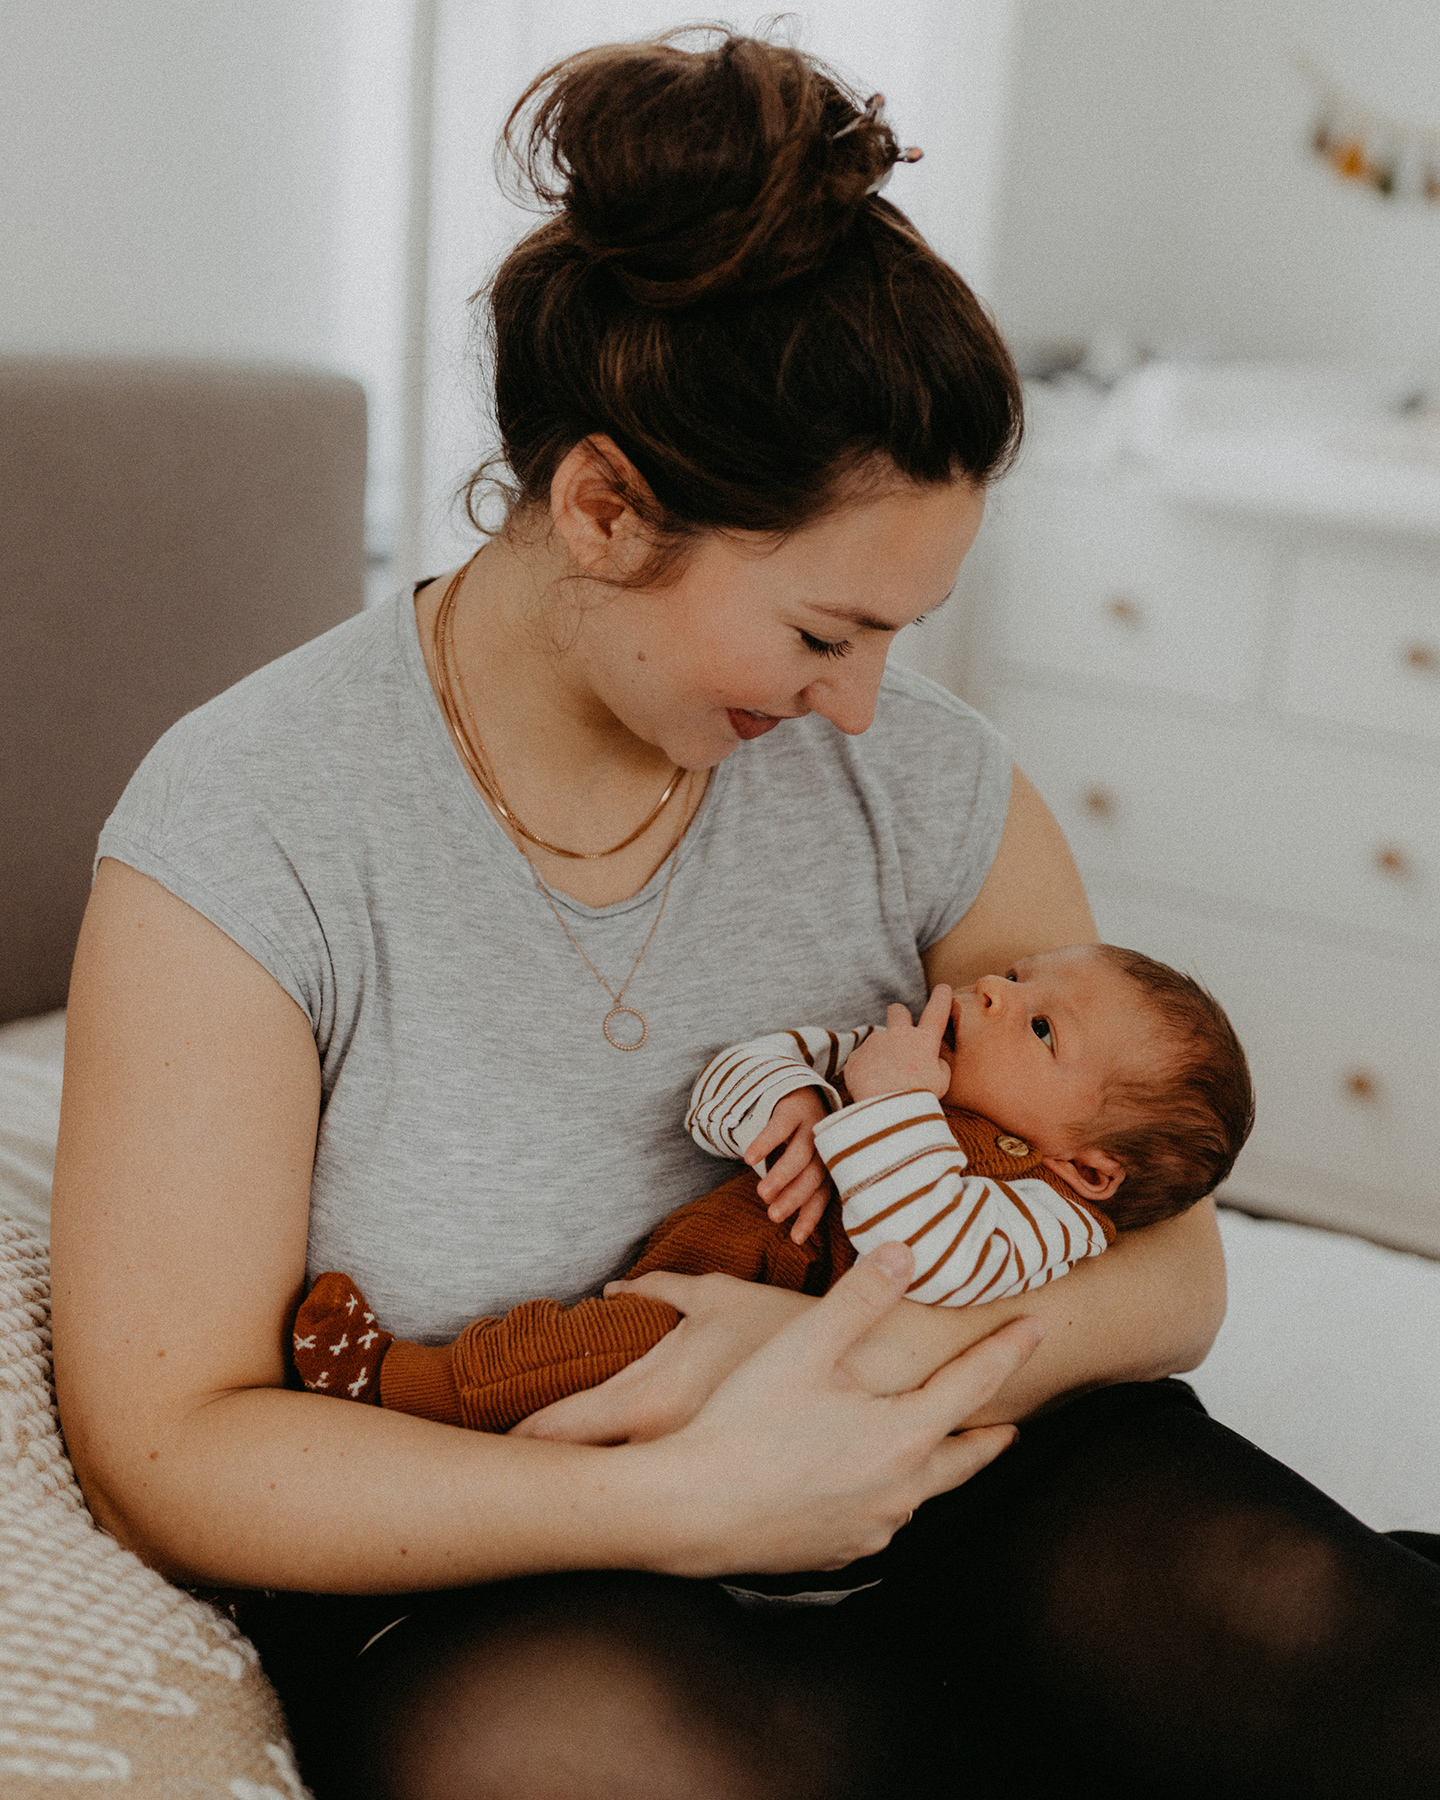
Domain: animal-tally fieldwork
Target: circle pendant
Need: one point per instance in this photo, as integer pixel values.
(619, 1012)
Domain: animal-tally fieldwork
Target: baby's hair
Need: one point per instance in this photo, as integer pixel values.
(1181, 1129)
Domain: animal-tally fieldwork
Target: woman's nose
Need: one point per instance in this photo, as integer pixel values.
(848, 695)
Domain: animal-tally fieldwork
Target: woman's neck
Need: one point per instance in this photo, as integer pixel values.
(566, 766)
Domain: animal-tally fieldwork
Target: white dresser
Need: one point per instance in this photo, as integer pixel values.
(1235, 715)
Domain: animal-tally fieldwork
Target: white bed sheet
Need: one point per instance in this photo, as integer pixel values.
(1329, 1357)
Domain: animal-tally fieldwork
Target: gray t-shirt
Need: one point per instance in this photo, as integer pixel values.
(480, 1142)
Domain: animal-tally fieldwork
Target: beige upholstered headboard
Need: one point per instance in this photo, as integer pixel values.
(165, 528)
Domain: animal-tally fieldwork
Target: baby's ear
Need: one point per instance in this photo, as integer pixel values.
(1094, 1174)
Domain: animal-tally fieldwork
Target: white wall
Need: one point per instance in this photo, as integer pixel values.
(1157, 179)
(215, 179)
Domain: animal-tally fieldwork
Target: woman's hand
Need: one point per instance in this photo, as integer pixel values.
(791, 1465)
(799, 1182)
(905, 1056)
(725, 1321)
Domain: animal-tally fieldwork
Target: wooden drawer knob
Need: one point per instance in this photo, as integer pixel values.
(1124, 609)
(1362, 1086)
(1421, 657)
(1392, 861)
(1099, 803)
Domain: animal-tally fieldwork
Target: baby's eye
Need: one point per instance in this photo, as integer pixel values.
(1041, 1028)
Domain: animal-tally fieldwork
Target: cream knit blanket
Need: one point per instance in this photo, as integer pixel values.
(108, 1674)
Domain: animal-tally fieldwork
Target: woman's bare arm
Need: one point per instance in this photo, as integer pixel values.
(181, 1204)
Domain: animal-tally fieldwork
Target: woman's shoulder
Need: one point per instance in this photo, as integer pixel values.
(311, 692)
(276, 732)
(253, 808)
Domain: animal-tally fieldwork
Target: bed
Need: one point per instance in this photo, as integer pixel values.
(187, 524)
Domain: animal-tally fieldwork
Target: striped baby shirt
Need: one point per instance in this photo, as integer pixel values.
(984, 1216)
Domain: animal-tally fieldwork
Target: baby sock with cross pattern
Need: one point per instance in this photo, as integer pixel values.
(337, 1344)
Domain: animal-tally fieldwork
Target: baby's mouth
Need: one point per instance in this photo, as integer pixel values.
(948, 1041)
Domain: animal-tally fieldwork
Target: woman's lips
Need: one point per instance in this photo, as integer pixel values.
(749, 724)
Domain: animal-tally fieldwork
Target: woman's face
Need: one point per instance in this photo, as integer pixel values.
(751, 635)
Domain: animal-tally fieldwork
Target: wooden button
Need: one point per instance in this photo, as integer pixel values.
(1361, 1085)
(1422, 657)
(1013, 1146)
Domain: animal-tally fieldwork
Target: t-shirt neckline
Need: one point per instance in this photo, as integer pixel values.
(517, 866)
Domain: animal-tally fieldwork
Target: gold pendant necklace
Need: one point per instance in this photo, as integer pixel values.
(466, 736)
(619, 1010)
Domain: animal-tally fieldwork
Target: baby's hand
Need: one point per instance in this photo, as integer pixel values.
(799, 1182)
(903, 1056)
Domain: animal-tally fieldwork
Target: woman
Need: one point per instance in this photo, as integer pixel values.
(402, 956)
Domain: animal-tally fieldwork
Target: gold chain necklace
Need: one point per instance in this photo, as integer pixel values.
(619, 1010)
(467, 737)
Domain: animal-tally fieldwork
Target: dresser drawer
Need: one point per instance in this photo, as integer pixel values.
(1345, 1053)
(1365, 638)
(1097, 583)
(1236, 812)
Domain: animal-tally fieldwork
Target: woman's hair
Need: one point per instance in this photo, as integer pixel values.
(721, 293)
(1177, 1134)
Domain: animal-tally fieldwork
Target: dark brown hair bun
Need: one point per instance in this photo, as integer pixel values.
(720, 293)
(692, 173)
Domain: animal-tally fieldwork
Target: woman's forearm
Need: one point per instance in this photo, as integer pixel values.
(271, 1488)
(784, 1467)
(1150, 1306)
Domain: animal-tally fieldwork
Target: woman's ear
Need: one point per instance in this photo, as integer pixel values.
(1094, 1174)
(588, 505)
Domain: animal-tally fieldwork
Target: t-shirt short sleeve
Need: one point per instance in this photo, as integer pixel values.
(228, 812)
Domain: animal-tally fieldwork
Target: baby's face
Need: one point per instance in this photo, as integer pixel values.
(1037, 1049)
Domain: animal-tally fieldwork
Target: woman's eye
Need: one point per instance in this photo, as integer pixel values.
(823, 648)
(1041, 1028)
(1011, 975)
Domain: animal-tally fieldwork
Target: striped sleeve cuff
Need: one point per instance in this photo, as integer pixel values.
(739, 1089)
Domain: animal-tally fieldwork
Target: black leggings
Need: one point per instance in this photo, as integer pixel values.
(1133, 1601)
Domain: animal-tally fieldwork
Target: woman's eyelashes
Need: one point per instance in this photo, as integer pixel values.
(822, 647)
(1041, 1028)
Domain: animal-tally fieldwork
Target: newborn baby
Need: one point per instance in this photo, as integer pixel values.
(1005, 1136)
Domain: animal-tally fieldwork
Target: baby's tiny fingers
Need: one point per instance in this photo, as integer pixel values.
(782, 1208)
(804, 1183)
(810, 1216)
(764, 1141)
(897, 1017)
(796, 1156)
